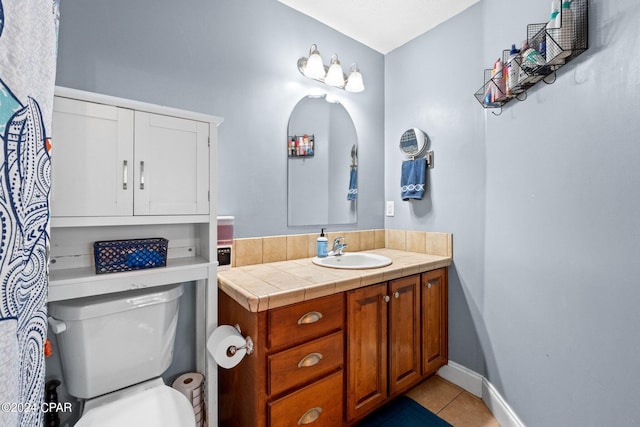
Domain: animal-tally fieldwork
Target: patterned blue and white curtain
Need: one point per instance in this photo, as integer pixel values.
(28, 48)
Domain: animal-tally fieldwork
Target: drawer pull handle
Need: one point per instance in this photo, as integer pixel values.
(310, 317)
(310, 416)
(310, 360)
(396, 294)
(430, 283)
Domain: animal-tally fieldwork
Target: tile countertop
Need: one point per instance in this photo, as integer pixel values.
(261, 287)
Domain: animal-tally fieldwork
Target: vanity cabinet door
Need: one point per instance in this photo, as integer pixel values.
(92, 161)
(404, 333)
(434, 320)
(171, 164)
(366, 349)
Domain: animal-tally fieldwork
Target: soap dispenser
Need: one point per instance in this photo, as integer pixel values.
(322, 245)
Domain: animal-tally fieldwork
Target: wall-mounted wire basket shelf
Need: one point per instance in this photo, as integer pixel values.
(556, 47)
(301, 146)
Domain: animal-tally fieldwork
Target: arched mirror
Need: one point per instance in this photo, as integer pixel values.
(322, 164)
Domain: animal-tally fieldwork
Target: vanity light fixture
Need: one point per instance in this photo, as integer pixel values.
(333, 75)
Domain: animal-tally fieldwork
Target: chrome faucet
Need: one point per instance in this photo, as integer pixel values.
(338, 247)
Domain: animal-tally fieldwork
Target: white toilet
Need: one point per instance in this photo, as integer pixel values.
(113, 350)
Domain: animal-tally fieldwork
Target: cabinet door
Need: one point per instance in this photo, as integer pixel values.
(92, 156)
(172, 165)
(404, 333)
(366, 349)
(434, 321)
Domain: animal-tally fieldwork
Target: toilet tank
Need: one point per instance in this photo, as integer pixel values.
(116, 340)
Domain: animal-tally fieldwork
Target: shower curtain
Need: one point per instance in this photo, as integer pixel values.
(28, 42)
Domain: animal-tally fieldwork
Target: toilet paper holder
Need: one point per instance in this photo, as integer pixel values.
(247, 346)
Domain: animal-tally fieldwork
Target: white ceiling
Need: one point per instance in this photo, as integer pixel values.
(382, 25)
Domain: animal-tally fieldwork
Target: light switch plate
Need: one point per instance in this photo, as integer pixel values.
(391, 208)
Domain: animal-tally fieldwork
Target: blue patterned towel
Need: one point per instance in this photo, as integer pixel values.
(353, 184)
(413, 178)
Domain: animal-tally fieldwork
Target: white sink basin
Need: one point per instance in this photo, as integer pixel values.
(353, 261)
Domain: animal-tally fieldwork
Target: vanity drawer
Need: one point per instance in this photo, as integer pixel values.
(296, 323)
(303, 363)
(319, 404)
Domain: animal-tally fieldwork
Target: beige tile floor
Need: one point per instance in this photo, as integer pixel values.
(452, 403)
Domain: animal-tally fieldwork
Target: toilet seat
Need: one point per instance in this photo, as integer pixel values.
(151, 404)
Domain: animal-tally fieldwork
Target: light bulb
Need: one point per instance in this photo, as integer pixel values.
(354, 81)
(314, 68)
(335, 76)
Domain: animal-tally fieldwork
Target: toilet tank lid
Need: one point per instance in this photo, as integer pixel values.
(102, 305)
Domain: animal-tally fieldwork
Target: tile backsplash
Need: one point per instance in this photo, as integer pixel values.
(259, 250)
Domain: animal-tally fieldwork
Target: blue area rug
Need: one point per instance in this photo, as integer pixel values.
(403, 411)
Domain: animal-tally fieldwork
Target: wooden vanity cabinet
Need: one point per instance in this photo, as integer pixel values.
(332, 360)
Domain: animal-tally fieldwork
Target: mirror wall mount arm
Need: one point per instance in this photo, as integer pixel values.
(429, 156)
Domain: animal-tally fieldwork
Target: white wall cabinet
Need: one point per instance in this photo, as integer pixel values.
(103, 149)
(115, 161)
(123, 169)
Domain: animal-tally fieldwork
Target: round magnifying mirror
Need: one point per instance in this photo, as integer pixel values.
(413, 142)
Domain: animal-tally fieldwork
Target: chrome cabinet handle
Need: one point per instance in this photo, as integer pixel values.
(396, 294)
(386, 298)
(310, 416)
(309, 360)
(142, 175)
(429, 284)
(310, 317)
(125, 172)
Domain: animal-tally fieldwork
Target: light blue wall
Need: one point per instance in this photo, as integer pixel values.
(543, 203)
(235, 59)
(430, 83)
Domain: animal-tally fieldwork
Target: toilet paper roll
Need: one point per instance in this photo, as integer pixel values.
(221, 340)
(190, 385)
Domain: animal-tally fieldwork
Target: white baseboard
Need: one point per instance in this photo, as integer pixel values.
(478, 385)
(462, 377)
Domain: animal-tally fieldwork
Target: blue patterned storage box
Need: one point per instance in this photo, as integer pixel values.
(126, 255)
